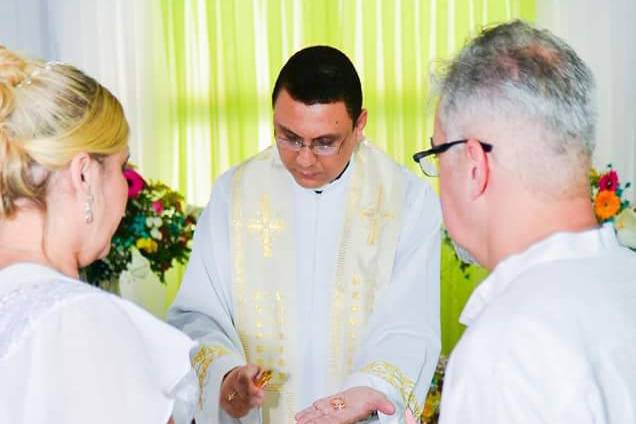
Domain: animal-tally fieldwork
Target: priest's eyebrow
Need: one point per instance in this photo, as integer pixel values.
(323, 139)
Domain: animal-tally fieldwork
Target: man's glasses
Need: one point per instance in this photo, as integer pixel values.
(428, 160)
(320, 148)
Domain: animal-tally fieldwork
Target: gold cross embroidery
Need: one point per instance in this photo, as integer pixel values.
(264, 226)
(376, 216)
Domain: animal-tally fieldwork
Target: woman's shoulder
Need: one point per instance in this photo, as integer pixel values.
(90, 343)
(30, 294)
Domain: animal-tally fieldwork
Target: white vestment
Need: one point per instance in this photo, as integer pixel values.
(70, 353)
(330, 290)
(551, 337)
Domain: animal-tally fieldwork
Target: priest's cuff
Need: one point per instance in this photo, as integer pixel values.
(212, 363)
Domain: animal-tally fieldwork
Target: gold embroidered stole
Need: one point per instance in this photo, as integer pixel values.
(369, 239)
(263, 279)
(263, 247)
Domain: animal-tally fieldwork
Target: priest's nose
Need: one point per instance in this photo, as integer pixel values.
(305, 157)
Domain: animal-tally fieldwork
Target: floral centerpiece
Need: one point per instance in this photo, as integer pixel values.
(611, 206)
(157, 223)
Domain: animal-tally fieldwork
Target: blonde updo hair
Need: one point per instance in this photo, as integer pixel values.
(49, 112)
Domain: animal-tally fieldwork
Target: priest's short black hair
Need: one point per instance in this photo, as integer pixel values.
(321, 74)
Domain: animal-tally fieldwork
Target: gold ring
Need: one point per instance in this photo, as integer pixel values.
(337, 403)
(230, 397)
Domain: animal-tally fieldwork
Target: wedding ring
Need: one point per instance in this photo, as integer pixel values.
(231, 396)
(264, 379)
(337, 403)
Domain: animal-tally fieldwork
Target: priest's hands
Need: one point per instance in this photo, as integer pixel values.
(347, 407)
(239, 392)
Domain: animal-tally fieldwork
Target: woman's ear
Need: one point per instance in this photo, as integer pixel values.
(81, 171)
(480, 167)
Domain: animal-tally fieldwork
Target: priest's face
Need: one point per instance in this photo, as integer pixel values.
(325, 131)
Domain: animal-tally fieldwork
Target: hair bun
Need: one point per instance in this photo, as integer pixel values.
(12, 67)
(12, 72)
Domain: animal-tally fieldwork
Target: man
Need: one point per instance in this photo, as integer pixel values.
(551, 334)
(318, 260)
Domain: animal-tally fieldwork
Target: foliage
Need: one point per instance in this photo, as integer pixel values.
(430, 413)
(157, 223)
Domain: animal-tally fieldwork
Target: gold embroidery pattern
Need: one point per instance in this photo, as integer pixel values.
(201, 362)
(403, 384)
(339, 301)
(269, 338)
(337, 327)
(376, 215)
(356, 320)
(265, 226)
(262, 310)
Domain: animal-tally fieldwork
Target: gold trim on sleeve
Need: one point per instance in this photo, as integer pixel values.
(201, 362)
(396, 378)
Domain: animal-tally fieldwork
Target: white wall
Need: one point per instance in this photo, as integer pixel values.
(24, 26)
(108, 40)
(604, 35)
(105, 38)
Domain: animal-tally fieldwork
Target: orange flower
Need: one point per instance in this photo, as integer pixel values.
(606, 205)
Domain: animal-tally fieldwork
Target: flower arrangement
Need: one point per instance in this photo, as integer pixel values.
(611, 206)
(156, 223)
(607, 194)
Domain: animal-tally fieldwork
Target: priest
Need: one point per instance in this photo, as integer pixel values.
(313, 285)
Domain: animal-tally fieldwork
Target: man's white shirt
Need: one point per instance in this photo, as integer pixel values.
(551, 337)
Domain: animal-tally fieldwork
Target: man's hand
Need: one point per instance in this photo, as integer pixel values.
(239, 392)
(346, 407)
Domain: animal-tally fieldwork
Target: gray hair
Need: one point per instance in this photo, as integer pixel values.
(519, 75)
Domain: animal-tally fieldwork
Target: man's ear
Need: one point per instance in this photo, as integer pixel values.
(360, 124)
(81, 168)
(479, 167)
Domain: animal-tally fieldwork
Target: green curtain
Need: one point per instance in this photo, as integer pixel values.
(215, 61)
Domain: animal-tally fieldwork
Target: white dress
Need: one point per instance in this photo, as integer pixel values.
(551, 337)
(70, 353)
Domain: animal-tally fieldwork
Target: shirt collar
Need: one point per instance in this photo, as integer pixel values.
(339, 180)
(558, 246)
(323, 188)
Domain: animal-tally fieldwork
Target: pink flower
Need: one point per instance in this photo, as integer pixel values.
(157, 206)
(135, 182)
(608, 181)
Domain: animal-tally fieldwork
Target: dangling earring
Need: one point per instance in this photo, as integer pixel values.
(88, 208)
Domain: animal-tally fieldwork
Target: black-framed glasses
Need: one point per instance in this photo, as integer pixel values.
(428, 161)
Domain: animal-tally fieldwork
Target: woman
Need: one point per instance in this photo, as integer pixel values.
(70, 353)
